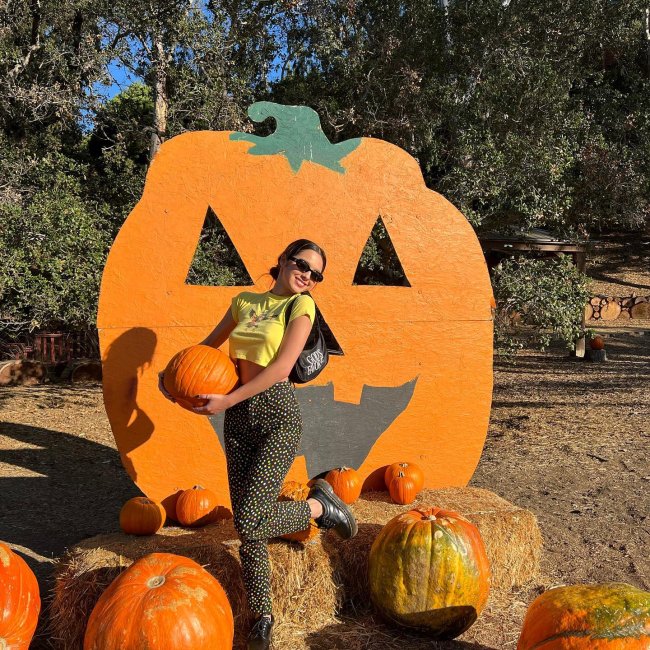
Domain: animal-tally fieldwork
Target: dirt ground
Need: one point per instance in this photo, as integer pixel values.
(568, 440)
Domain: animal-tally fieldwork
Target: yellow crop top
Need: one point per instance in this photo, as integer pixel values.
(260, 324)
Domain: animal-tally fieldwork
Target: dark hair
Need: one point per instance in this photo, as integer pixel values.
(293, 249)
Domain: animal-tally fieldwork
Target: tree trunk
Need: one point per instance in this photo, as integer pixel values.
(161, 101)
(647, 40)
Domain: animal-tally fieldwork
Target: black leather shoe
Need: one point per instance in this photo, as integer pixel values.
(336, 514)
(260, 634)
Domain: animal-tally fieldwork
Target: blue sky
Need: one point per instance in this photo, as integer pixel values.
(122, 78)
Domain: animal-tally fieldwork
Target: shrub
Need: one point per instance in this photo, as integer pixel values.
(538, 300)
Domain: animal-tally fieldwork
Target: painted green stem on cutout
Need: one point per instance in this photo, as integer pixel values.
(298, 136)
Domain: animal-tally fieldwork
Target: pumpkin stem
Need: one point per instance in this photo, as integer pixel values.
(156, 581)
(298, 136)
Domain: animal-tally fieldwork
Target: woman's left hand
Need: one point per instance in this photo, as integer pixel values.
(214, 404)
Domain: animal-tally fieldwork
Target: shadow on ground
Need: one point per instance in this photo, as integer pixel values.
(75, 489)
(370, 633)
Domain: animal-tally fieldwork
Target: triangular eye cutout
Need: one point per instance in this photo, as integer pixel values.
(379, 264)
(216, 261)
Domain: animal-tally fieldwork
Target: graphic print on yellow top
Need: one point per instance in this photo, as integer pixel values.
(260, 324)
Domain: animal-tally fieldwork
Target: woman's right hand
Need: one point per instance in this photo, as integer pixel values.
(162, 389)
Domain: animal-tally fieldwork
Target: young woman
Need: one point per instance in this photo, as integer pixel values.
(263, 424)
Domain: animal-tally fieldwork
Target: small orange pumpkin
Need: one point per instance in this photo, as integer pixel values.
(296, 491)
(402, 489)
(345, 482)
(597, 343)
(428, 570)
(197, 506)
(588, 617)
(20, 600)
(199, 370)
(409, 469)
(161, 601)
(142, 516)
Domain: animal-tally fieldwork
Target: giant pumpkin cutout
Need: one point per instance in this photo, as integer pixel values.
(415, 379)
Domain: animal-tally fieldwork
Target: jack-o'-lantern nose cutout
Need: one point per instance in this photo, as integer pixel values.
(216, 261)
(379, 263)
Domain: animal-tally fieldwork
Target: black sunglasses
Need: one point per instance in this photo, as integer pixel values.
(303, 267)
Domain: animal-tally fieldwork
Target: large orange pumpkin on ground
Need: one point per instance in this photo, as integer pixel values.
(161, 601)
(609, 616)
(415, 377)
(428, 570)
(20, 601)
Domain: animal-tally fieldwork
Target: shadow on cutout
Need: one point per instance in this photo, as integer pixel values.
(125, 359)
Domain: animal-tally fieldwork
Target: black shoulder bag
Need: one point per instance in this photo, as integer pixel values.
(314, 356)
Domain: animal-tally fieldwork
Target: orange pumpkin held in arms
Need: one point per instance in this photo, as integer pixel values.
(199, 370)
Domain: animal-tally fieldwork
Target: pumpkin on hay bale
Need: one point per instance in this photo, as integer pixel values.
(310, 582)
(305, 595)
(410, 565)
(161, 599)
(511, 535)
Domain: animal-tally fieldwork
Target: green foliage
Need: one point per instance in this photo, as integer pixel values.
(538, 300)
(52, 249)
(379, 263)
(523, 114)
(216, 261)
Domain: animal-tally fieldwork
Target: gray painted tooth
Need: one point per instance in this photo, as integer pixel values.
(338, 433)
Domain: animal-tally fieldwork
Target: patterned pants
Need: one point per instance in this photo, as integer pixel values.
(261, 436)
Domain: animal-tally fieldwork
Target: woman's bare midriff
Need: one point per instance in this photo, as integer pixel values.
(248, 370)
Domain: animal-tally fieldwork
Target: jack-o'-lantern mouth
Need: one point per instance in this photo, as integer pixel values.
(339, 433)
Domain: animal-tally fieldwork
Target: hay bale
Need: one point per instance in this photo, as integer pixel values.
(310, 582)
(87, 372)
(511, 535)
(304, 592)
(22, 372)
